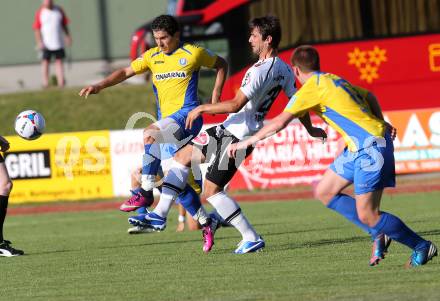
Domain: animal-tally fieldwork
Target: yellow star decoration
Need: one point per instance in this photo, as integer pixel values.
(368, 68)
(368, 73)
(357, 57)
(377, 56)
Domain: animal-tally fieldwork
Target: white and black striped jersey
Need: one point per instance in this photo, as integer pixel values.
(261, 85)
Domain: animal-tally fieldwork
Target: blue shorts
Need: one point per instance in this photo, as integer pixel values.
(180, 118)
(167, 150)
(369, 169)
(182, 136)
(173, 129)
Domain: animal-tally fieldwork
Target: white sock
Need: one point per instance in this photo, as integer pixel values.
(165, 203)
(201, 216)
(174, 183)
(229, 210)
(147, 182)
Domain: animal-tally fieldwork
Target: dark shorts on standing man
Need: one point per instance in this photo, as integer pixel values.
(1, 159)
(214, 143)
(58, 54)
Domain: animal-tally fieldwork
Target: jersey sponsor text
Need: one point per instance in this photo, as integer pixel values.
(169, 75)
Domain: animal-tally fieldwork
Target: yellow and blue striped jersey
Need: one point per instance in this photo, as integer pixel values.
(341, 105)
(175, 75)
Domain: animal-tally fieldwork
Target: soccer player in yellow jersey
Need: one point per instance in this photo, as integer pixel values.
(190, 195)
(367, 162)
(175, 70)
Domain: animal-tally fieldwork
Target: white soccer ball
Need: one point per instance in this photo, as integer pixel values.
(30, 124)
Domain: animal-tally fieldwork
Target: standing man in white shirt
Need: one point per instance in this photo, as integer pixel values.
(50, 26)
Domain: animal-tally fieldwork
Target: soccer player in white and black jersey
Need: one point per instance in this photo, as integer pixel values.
(260, 87)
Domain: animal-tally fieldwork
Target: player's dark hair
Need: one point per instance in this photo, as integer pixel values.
(166, 23)
(268, 26)
(306, 58)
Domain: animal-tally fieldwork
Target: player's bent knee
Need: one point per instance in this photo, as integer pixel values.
(364, 219)
(367, 218)
(211, 189)
(184, 155)
(148, 139)
(323, 194)
(150, 134)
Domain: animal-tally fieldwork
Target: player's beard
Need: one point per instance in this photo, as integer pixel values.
(256, 51)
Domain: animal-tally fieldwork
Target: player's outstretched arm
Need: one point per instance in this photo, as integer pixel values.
(271, 128)
(313, 131)
(222, 70)
(225, 107)
(113, 79)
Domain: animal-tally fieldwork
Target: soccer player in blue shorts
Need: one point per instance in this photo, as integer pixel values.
(175, 70)
(189, 199)
(367, 161)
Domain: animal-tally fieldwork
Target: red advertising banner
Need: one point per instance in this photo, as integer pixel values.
(293, 157)
(404, 73)
(290, 157)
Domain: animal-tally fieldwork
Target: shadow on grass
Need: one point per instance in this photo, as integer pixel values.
(287, 246)
(327, 242)
(323, 242)
(306, 230)
(308, 244)
(142, 244)
(429, 232)
(122, 246)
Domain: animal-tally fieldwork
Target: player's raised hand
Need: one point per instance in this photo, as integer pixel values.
(193, 115)
(4, 144)
(318, 133)
(234, 147)
(93, 89)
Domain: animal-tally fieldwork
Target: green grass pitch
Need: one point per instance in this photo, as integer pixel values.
(311, 254)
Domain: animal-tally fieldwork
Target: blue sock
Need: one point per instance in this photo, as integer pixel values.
(151, 159)
(190, 200)
(346, 206)
(393, 227)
